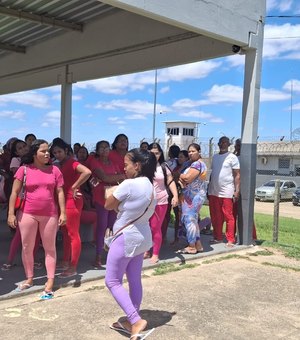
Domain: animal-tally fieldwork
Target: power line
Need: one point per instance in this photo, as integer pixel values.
(283, 16)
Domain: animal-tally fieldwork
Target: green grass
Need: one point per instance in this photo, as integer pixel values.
(165, 268)
(288, 234)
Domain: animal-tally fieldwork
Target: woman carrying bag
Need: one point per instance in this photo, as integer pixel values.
(44, 189)
(134, 199)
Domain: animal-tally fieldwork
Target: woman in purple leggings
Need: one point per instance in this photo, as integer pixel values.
(134, 199)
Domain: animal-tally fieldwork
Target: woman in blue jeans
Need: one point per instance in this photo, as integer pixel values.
(134, 199)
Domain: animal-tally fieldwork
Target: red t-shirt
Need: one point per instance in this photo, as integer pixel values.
(108, 169)
(70, 175)
(117, 160)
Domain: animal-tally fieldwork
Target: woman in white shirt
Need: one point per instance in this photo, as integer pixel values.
(134, 199)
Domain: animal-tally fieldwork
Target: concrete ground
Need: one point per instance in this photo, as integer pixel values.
(229, 294)
(241, 297)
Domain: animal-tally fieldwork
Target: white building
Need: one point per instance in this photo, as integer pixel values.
(181, 133)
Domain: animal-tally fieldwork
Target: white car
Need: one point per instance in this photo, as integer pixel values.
(266, 192)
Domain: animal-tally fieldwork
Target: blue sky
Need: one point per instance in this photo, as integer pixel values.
(208, 92)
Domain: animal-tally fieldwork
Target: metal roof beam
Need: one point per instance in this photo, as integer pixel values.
(13, 48)
(41, 19)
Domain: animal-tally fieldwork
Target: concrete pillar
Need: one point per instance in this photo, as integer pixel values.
(251, 99)
(66, 107)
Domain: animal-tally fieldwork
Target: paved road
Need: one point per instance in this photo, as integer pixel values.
(286, 209)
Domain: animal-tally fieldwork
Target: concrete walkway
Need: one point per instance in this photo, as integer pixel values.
(9, 280)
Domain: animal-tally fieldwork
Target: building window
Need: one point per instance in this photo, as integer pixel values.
(173, 131)
(283, 163)
(188, 132)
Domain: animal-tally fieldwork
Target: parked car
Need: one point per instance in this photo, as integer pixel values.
(266, 192)
(296, 197)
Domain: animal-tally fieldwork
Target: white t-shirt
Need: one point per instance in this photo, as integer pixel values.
(221, 182)
(135, 196)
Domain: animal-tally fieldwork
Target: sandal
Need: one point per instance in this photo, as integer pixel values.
(119, 327)
(68, 273)
(47, 295)
(7, 266)
(185, 251)
(141, 335)
(229, 245)
(23, 286)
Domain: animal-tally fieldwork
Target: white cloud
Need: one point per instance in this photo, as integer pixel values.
(11, 114)
(180, 73)
(120, 85)
(164, 89)
(279, 5)
(135, 117)
(282, 41)
(197, 114)
(52, 118)
(31, 98)
(136, 106)
(293, 83)
(186, 103)
(234, 94)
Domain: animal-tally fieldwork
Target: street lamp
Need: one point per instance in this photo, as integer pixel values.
(154, 106)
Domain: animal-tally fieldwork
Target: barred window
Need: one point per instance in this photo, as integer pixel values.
(284, 163)
(173, 131)
(188, 132)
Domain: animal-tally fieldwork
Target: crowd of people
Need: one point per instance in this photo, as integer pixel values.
(67, 186)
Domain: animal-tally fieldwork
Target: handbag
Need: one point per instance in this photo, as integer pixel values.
(110, 236)
(108, 190)
(20, 200)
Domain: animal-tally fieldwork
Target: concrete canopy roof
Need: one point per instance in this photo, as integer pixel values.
(45, 43)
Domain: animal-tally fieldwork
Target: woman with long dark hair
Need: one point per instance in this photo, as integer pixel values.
(163, 182)
(134, 199)
(119, 150)
(75, 174)
(107, 174)
(194, 194)
(44, 183)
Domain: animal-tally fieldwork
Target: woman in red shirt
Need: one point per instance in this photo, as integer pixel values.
(108, 174)
(118, 152)
(74, 174)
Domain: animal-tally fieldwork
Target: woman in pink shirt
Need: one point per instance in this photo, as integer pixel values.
(162, 196)
(43, 189)
(107, 174)
(74, 174)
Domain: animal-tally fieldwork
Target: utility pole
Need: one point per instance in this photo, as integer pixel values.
(154, 106)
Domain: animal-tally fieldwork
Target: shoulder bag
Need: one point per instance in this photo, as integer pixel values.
(110, 236)
(20, 200)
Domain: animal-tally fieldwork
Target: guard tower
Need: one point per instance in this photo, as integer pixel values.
(180, 133)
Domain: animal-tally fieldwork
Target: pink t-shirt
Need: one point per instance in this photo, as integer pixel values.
(108, 169)
(40, 189)
(159, 186)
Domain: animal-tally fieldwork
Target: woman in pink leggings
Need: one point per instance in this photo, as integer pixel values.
(43, 189)
(74, 174)
(160, 182)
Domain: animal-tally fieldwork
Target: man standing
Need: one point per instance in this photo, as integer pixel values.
(223, 190)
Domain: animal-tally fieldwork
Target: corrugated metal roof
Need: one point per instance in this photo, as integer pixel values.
(19, 32)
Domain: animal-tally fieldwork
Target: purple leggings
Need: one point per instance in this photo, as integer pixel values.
(105, 219)
(116, 266)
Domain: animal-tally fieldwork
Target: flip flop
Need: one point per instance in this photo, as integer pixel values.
(119, 328)
(23, 286)
(47, 295)
(185, 252)
(142, 336)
